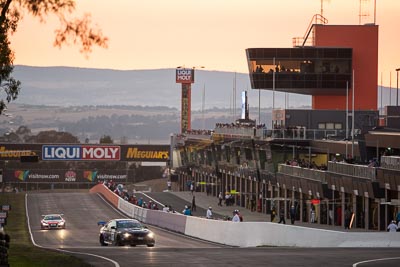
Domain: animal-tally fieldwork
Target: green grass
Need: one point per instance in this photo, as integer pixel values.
(22, 252)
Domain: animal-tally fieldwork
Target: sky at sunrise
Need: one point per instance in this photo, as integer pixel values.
(161, 34)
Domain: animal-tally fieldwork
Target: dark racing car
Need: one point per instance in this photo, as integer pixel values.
(120, 232)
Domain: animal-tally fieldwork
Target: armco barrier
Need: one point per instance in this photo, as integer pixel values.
(250, 234)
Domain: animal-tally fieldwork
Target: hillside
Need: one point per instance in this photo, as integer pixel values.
(141, 106)
(65, 86)
(135, 124)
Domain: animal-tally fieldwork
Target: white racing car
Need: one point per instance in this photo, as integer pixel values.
(52, 221)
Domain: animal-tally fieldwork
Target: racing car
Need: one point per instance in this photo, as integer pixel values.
(120, 232)
(52, 221)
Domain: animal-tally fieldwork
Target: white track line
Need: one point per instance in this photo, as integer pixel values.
(368, 261)
(116, 264)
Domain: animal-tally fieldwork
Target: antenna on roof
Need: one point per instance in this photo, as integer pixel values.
(322, 7)
(362, 12)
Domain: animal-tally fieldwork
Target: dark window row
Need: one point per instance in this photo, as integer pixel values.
(311, 81)
(298, 53)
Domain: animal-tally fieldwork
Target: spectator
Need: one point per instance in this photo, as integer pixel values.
(166, 208)
(227, 198)
(220, 198)
(392, 227)
(192, 187)
(282, 216)
(292, 214)
(253, 203)
(312, 213)
(209, 214)
(193, 203)
(140, 202)
(169, 184)
(187, 211)
(236, 217)
(273, 214)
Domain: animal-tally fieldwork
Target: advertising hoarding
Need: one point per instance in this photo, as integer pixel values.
(78, 152)
(184, 75)
(64, 175)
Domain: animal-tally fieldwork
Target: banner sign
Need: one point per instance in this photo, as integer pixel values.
(146, 153)
(93, 176)
(64, 175)
(184, 75)
(81, 152)
(15, 151)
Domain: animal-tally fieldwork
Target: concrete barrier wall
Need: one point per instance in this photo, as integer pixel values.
(250, 234)
(377, 239)
(139, 213)
(171, 221)
(107, 194)
(132, 211)
(253, 234)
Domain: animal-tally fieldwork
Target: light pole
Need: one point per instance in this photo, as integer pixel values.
(397, 91)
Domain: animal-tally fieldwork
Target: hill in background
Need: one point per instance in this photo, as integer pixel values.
(141, 106)
(65, 86)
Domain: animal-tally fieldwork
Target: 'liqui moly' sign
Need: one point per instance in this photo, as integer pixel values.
(185, 75)
(80, 152)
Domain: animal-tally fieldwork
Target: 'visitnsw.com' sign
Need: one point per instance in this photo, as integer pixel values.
(81, 152)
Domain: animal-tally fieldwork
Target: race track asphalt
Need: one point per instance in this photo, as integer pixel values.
(83, 211)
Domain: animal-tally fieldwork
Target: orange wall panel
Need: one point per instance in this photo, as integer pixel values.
(364, 41)
(107, 194)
